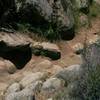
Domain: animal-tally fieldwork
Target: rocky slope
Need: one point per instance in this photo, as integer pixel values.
(36, 69)
(60, 15)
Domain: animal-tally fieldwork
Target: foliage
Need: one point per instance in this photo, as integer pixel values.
(49, 31)
(94, 10)
(89, 83)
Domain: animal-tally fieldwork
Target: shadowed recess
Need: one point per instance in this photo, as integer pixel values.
(18, 55)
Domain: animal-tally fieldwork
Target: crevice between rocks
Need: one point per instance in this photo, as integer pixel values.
(18, 55)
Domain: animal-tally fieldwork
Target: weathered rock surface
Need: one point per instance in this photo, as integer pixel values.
(46, 49)
(32, 78)
(11, 68)
(70, 73)
(3, 87)
(36, 86)
(36, 10)
(52, 84)
(55, 69)
(25, 94)
(43, 13)
(63, 17)
(15, 87)
(43, 65)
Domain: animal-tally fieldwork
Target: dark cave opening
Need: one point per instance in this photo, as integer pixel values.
(19, 56)
(68, 34)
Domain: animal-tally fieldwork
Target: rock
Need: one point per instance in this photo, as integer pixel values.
(16, 48)
(25, 94)
(63, 18)
(14, 40)
(56, 12)
(70, 73)
(83, 5)
(11, 68)
(52, 84)
(43, 65)
(46, 49)
(50, 46)
(38, 11)
(3, 87)
(78, 48)
(3, 67)
(15, 87)
(36, 86)
(32, 78)
(55, 69)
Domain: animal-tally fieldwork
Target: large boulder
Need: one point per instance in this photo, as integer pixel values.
(11, 68)
(52, 84)
(25, 94)
(15, 87)
(70, 74)
(63, 18)
(32, 78)
(3, 87)
(47, 49)
(34, 11)
(43, 65)
(59, 13)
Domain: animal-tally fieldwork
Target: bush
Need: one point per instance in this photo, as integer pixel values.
(94, 10)
(89, 83)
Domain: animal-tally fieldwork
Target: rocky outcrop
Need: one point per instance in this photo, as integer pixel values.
(52, 85)
(34, 11)
(15, 87)
(59, 13)
(63, 17)
(47, 49)
(11, 68)
(43, 13)
(32, 78)
(70, 73)
(25, 94)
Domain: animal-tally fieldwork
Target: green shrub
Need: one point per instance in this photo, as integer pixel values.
(89, 83)
(94, 10)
